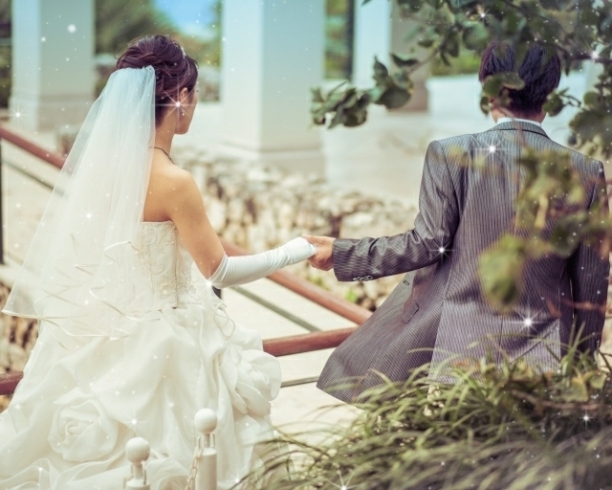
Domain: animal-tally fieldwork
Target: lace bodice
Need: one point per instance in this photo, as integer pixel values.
(166, 261)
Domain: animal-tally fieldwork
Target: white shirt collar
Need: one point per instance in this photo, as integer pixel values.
(510, 119)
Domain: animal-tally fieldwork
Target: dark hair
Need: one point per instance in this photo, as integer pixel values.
(174, 70)
(539, 70)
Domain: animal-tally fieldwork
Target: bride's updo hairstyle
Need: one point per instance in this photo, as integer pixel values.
(174, 70)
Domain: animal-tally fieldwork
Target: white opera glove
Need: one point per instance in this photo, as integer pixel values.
(233, 271)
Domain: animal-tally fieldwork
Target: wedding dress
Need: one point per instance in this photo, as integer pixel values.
(132, 339)
(71, 416)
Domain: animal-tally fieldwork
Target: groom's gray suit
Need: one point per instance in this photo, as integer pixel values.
(466, 203)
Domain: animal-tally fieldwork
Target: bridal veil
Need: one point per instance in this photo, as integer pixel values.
(82, 272)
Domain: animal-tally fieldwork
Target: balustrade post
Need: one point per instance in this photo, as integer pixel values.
(205, 424)
(137, 452)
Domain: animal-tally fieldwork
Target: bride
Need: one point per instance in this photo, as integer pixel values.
(132, 339)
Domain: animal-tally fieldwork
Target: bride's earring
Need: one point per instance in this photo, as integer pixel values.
(179, 106)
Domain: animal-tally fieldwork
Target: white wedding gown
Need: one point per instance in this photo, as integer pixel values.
(83, 398)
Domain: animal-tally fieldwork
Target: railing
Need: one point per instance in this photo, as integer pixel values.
(203, 470)
(277, 347)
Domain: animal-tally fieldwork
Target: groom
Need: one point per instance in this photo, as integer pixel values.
(439, 311)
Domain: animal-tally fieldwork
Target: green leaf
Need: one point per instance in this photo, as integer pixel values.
(337, 119)
(464, 4)
(381, 73)
(317, 95)
(512, 81)
(402, 62)
(485, 104)
(394, 98)
(444, 16)
(351, 296)
(451, 46)
(577, 390)
(356, 118)
(551, 4)
(411, 5)
(553, 105)
(598, 380)
(444, 58)
(494, 84)
(500, 269)
(567, 234)
(476, 37)
(375, 93)
(426, 42)
(591, 99)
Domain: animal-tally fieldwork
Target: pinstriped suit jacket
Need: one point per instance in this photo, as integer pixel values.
(466, 203)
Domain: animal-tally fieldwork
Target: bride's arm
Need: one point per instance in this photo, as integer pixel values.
(186, 209)
(239, 270)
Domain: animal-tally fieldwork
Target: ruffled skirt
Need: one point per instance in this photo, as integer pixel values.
(83, 398)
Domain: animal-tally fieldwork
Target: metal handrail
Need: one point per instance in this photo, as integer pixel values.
(277, 347)
(9, 381)
(308, 290)
(32, 148)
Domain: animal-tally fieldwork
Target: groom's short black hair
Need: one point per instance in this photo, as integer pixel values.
(540, 71)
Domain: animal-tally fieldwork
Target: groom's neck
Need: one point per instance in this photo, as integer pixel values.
(498, 114)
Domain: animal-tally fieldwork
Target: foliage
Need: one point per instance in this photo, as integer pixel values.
(338, 38)
(549, 220)
(491, 427)
(5, 75)
(205, 52)
(466, 63)
(118, 22)
(580, 32)
(348, 106)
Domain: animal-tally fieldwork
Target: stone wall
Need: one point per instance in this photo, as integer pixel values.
(260, 208)
(17, 337)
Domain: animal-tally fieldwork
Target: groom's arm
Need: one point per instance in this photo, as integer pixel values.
(432, 236)
(589, 273)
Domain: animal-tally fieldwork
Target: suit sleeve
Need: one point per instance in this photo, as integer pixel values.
(589, 273)
(435, 226)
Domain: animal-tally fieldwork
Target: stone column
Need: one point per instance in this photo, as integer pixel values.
(379, 31)
(273, 53)
(53, 67)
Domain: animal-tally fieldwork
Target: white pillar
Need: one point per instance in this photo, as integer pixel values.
(273, 53)
(53, 68)
(372, 38)
(379, 31)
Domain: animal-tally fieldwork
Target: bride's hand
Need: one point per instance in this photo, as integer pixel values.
(299, 249)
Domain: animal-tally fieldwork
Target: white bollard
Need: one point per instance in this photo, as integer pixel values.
(205, 424)
(137, 452)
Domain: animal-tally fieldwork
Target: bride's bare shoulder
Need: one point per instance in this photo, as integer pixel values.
(171, 188)
(168, 179)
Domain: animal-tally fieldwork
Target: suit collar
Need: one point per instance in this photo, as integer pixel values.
(515, 125)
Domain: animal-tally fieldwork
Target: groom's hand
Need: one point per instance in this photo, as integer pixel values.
(322, 259)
